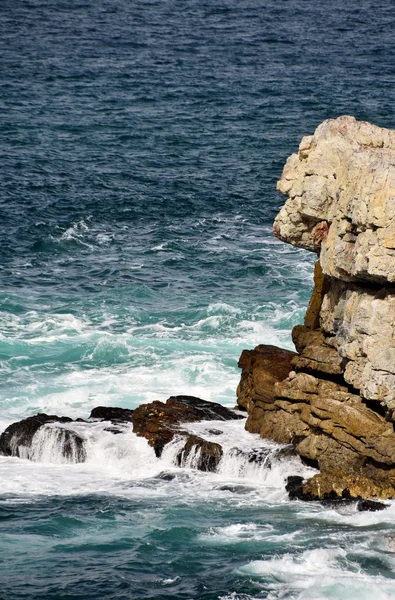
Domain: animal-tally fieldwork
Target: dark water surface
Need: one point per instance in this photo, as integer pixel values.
(140, 147)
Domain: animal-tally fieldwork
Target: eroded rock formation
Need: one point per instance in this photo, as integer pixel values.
(337, 400)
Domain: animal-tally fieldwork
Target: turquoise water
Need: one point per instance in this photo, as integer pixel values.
(141, 142)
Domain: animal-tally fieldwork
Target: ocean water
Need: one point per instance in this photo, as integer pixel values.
(140, 144)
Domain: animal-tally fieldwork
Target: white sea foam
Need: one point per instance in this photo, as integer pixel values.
(237, 533)
(351, 516)
(159, 246)
(320, 574)
(128, 383)
(35, 328)
(122, 464)
(112, 460)
(104, 238)
(124, 456)
(76, 232)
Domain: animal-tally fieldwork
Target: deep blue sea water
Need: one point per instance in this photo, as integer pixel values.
(140, 145)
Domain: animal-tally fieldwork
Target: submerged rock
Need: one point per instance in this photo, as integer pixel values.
(294, 487)
(370, 505)
(165, 476)
(114, 430)
(335, 401)
(235, 489)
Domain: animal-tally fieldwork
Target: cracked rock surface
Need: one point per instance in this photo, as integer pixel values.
(341, 200)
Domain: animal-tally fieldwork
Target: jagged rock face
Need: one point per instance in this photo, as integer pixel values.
(341, 190)
(329, 426)
(344, 176)
(262, 368)
(342, 431)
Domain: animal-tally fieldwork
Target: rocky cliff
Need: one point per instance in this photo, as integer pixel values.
(334, 399)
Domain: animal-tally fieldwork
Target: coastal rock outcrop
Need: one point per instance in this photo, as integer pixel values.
(205, 455)
(262, 368)
(336, 402)
(49, 437)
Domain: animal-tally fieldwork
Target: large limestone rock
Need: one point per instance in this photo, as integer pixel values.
(341, 204)
(336, 404)
(361, 323)
(341, 189)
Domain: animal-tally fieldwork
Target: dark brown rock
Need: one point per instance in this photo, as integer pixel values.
(204, 410)
(208, 454)
(17, 439)
(158, 422)
(73, 446)
(261, 369)
(294, 487)
(21, 433)
(370, 505)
